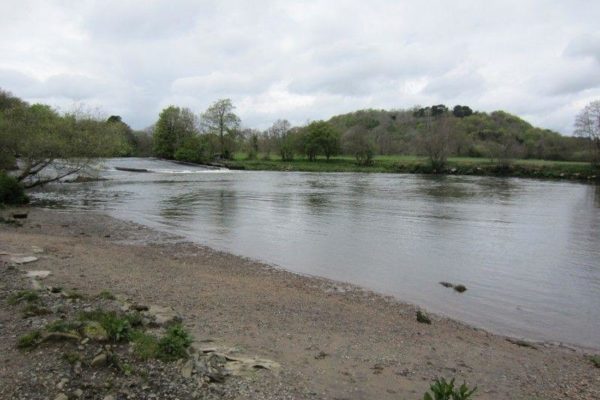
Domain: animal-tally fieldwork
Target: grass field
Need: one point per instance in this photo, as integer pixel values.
(414, 164)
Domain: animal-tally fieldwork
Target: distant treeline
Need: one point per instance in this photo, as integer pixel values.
(436, 132)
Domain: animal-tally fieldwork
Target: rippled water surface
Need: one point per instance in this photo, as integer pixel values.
(528, 251)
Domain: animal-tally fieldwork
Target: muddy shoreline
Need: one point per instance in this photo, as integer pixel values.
(332, 340)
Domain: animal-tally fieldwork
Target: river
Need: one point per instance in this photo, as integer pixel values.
(527, 250)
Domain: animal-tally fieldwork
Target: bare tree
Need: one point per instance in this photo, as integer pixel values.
(587, 125)
(435, 140)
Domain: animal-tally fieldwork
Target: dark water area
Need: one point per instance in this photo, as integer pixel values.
(527, 250)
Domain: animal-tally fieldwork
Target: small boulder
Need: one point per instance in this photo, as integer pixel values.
(423, 318)
(187, 369)
(100, 360)
(163, 316)
(61, 396)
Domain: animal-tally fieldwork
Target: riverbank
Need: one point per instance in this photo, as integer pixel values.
(332, 340)
(566, 170)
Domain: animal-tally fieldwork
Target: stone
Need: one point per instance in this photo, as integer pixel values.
(78, 393)
(37, 250)
(94, 331)
(460, 288)
(109, 397)
(62, 383)
(24, 260)
(100, 360)
(163, 316)
(423, 318)
(19, 215)
(187, 369)
(61, 396)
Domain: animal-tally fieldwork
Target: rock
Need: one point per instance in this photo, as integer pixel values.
(60, 336)
(25, 260)
(447, 284)
(163, 316)
(62, 383)
(61, 396)
(19, 215)
(109, 397)
(321, 355)
(460, 288)
(94, 331)
(100, 360)
(78, 393)
(37, 250)
(187, 369)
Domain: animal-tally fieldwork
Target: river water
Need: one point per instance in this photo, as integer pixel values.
(527, 250)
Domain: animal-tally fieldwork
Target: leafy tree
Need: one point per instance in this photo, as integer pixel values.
(193, 149)
(461, 111)
(174, 126)
(50, 146)
(587, 125)
(321, 137)
(220, 119)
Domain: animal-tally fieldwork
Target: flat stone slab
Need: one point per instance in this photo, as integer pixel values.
(23, 260)
(38, 274)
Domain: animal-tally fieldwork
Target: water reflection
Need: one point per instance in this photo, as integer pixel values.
(529, 251)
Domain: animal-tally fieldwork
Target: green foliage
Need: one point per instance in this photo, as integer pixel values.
(33, 310)
(106, 295)
(194, 149)
(174, 344)
(29, 296)
(321, 138)
(29, 340)
(145, 346)
(62, 326)
(174, 126)
(595, 360)
(72, 357)
(444, 390)
(423, 318)
(117, 327)
(11, 191)
(219, 119)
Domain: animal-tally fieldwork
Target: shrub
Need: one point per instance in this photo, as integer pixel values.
(29, 296)
(29, 340)
(145, 346)
(106, 295)
(423, 318)
(11, 191)
(444, 390)
(117, 328)
(174, 344)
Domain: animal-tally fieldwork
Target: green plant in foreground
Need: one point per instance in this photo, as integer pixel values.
(106, 295)
(423, 318)
(595, 360)
(62, 326)
(444, 390)
(33, 309)
(71, 357)
(117, 327)
(29, 340)
(174, 344)
(29, 296)
(145, 346)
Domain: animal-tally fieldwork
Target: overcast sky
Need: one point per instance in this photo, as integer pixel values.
(303, 60)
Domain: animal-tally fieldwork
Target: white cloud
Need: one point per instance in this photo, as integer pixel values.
(304, 60)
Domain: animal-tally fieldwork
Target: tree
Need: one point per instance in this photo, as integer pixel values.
(435, 139)
(50, 146)
(220, 119)
(173, 127)
(461, 111)
(587, 125)
(280, 133)
(321, 137)
(356, 142)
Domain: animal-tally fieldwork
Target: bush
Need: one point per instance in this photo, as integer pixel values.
(444, 390)
(29, 340)
(174, 344)
(11, 191)
(117, 328)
